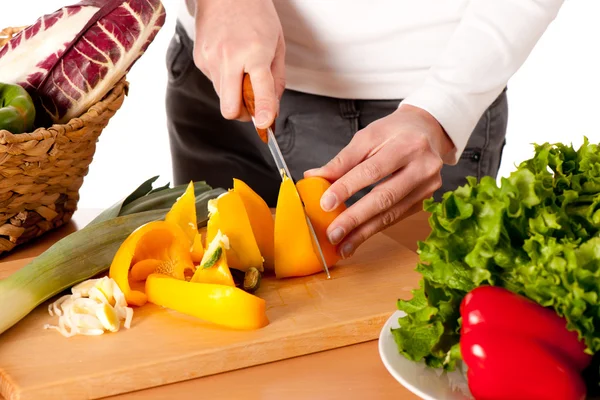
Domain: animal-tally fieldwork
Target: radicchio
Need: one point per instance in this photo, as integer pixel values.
(70, 59)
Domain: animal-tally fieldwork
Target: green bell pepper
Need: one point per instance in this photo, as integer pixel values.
(17, 110)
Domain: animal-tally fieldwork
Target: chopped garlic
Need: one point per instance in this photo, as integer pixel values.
(94, 307)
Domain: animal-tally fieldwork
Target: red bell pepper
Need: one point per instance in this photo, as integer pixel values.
(506, 366)
(498, 308)
(517, 349)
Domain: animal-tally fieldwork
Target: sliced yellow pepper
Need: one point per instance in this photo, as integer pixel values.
(230, 217)
(261, 220)
(214, 221)
(213, 267)
(197, 251)
(311, 190)
(183, 213)
(157, 240)
(295, 250)
(222, 305)
(141, 269)
(219, 274)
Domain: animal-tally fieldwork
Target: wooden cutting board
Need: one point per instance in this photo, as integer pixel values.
(307, 315)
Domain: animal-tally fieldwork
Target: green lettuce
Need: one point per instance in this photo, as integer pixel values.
(537, 234)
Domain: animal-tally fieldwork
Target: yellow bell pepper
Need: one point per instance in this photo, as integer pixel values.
(261, 220)
(311, 190)
(295, 254)
(197, 251)
(141, 269)
(157, 240)
(213, 226)
(183, 213)
(222, 305)
(229, 216)
(219, 274)
(213, 267)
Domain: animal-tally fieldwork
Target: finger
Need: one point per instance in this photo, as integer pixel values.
(229, 89)
(265, 100)
(230, 92)
(408, 206)
(383, 197)
(355, 152)
(278, 70)
(224, 89)
(373, 169)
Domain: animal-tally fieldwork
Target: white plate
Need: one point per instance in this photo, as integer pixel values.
(427, 383)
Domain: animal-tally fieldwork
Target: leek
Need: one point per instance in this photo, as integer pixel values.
(89, 251)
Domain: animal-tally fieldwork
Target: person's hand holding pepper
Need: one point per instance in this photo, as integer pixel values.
(403, 152)
(234, 37)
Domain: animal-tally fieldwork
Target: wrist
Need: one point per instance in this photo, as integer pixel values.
(438, 137)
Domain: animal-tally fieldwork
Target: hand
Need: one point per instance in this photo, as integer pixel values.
(234, 37)
(404, 151)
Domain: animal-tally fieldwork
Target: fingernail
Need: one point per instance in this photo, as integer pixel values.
(336, 235)
(347, 250)
(328, 201)
(262, 118)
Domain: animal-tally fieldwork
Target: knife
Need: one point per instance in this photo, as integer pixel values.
(267, 136)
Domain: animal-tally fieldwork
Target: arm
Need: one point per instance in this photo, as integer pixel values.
(492, 41)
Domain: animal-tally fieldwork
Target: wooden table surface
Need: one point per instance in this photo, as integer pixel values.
(352, 372)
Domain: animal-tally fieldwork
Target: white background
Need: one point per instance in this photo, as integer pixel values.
(553, 97)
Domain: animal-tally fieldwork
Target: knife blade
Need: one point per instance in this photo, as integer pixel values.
(268, 137)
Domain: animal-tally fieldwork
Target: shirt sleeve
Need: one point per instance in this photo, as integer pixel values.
(492, 41)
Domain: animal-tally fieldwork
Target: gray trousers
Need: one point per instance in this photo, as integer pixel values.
(310, 130)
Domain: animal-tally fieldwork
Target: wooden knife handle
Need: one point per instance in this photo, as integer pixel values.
(248, 97)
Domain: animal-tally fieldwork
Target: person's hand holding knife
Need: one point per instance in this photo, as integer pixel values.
(235, 37)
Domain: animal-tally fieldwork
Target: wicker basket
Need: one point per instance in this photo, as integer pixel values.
(41, 172)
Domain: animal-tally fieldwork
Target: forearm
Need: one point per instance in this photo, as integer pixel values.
(492, 41)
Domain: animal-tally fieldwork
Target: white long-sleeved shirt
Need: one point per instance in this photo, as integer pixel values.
(451, 58)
